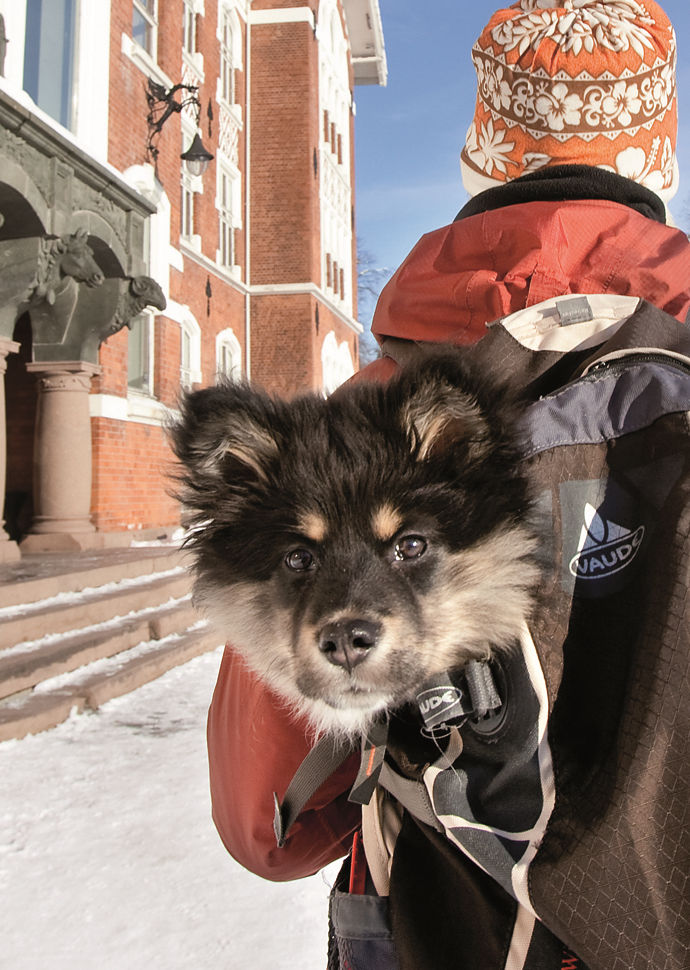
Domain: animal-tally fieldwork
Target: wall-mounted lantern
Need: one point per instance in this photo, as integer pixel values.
(162, 104)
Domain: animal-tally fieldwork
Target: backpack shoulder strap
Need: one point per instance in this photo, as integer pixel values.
(319, 764)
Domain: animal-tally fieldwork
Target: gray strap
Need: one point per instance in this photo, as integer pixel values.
(324, 758)
(483, 693)
(319, 764)
(411, 794)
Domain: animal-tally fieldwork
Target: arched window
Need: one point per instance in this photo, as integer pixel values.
(230, 38)
(336, 363)
(227, 57)
(228, 356)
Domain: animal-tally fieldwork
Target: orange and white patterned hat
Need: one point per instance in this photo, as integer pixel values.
(575, 82)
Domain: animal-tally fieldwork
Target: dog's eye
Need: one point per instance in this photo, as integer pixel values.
(410, 547)
(299, 560)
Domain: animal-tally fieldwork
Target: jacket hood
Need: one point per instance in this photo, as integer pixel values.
(480, 268)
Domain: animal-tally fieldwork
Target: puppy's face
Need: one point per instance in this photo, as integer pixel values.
(351, 548)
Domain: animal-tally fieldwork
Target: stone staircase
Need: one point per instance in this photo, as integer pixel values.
(78, 630)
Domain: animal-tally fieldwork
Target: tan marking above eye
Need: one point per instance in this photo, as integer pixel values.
(385, 522)
(313, 526)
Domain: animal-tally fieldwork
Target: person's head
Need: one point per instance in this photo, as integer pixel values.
(575, 82)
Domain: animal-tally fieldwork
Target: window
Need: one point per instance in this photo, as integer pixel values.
(144, 25)
(185, 358)
(336, 363)
(140, 354)
(190, 352)
(226, 251)
(228, 356)
(49, 55)
(229, 39)
(189, 29)
(187, 208)
(335, 189)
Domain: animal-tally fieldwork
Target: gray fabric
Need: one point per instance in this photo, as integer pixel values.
(360, 917)
(606, 406)
(411, 794)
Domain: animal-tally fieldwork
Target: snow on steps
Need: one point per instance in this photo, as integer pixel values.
(79, 631)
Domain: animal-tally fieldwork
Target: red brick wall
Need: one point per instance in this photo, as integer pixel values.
(131, 495)
(127, 129)
(283, 330)
(113, 361)
(287, 341)
(285, 134)
(130, 487)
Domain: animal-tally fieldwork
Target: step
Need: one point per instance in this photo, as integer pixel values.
(69, 611)
(37, 577)
(88, 688)
(37, 712)
(27, 664)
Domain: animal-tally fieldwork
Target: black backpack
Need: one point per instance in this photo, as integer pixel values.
(550, 829)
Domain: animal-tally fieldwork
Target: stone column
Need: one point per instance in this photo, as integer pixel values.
(62, 458)
(9, 550)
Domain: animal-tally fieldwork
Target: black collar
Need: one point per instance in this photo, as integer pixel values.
(565, 183)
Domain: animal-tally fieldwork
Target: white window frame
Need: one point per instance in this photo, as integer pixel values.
(227, 60)
(229, 206)
(230, 54)
(336, 180)
(146, 320)
(227, 345)
(151, 18)
(88, 122)
(190, 339)
(187, 208)
(226, 229)
(336, 363)
(189, 28)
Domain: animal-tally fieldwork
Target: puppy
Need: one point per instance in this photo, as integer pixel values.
(353, 547)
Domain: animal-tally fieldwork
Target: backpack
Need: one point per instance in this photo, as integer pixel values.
(544, 825)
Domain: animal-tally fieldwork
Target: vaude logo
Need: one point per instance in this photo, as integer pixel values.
(436, 701)
(605, 548)
(440, 703)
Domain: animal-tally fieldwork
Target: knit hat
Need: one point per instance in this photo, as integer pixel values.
(568, 82)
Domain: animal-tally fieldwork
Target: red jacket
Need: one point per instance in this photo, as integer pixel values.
(453, 282)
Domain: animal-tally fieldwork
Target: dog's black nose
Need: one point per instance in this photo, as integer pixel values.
(347, 643)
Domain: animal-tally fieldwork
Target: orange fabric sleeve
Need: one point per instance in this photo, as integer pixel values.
(255, 746)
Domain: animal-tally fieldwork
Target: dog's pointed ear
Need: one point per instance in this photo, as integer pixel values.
(224, 434)
(441, 411)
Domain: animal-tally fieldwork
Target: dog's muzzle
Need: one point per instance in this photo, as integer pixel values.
(347, 643)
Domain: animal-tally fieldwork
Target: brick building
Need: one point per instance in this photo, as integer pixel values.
(124, 275)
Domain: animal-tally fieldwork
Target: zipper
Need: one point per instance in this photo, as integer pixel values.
(618, 365)
(622, 363)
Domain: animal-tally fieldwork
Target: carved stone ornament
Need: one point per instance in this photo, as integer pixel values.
(60, 260)
(65, 382)
(27, 158)
(139, 293)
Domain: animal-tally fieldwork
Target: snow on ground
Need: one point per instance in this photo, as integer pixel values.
(109, 859)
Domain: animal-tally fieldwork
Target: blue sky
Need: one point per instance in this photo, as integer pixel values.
(409, 134)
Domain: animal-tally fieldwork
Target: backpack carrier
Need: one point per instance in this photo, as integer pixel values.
(546, 827)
